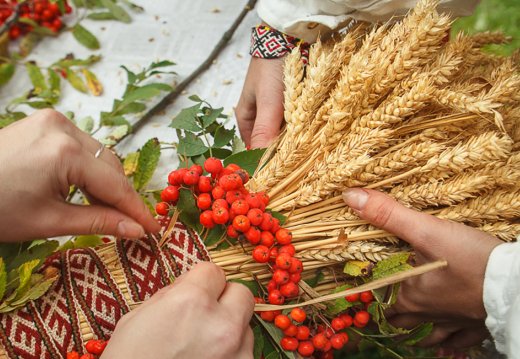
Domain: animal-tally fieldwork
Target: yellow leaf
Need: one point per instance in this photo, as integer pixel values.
(130, 163)
(95, 87)
(356, 268)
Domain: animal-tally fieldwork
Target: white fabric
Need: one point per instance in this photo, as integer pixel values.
(308, 18)
(502, 298)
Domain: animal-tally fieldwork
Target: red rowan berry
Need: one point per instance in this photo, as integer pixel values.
(362, 317)
(220, 203)
(267, 222)
(337, 324)
(72, 355)
(241, 223)
(298, 314)
(253, 235)
(276, 225)
(366, 297)
(240, 206)
(296, 266)
(206, 219)
(291, 331)
(289, 290)
(256, 216)
(347, 319)
(306, 348)
(273, 253)
(204, 201)
(170, 194)
(281, 276)
(271, 286)
(337, 341)
(352, 298)
(328, 332)
(190, 178)
(87, 356)
(319, 341)
(232, 167)
(213, 165)
(232, 196)
(284, 260)
(218, 193)
(232, 232)
(344, 336)
(264, 197)
(289, 344)
(95, 346)
(275, 297)
(198, 169)
(175, 177)
(162, 208)
(268, 316)
(287, 248)
(254, 201)
(303, 332)
(47, 15)
(266, 239)
(244, 176)
(295, 277)
(283, 236)
(220, 215)
(204, 185)
(261, 254)
(282, 321)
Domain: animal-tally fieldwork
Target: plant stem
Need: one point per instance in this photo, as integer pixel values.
(382, 346)
(172, 96)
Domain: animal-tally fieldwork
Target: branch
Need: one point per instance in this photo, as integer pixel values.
(172, 96)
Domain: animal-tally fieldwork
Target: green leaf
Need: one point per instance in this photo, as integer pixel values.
(220, 153)
(223, 137)
(76, 81)
(191, 145)
(54, 82)
(87, 241)
(391, 265)
(247, 160)
(117, 133)
(116, 10)
(37, 252)
(377, 311)
(101, 16)
(71, 61)
(131, 76)
(357, 268)
(214, 235)
(35, 291)
(7, 118)
(85, 37)
(341, 304)
(163, 63)
(160, 86)
(187, 119)
(3, 278)
(195, 98)
(276, 334)
(418, 333)
(108, 120)
(140, 93)
(258, 348)
(250, 284)
(6, 72)
(130, 163)
(37, 78)
(278, 216)
(24, 275)
(314, 281)
(210, 116)
(189, 215)
(86, 124)
(147, 163)
(134, 107)
(238, 145)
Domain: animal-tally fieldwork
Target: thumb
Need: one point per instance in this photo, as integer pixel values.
(268, 120)
(96, 219)
(426, 233)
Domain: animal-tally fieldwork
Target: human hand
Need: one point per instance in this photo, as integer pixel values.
(199, 316)
(260, 109)
(451, 298)
(40, 158)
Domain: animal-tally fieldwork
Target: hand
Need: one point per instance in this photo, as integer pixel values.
(451, 298)
(199, 316)
(260, 109)
(40, 158)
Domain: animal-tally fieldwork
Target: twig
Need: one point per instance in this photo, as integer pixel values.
(13, 18)
(172, 96)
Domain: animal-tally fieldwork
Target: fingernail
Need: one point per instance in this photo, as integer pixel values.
(355, 198)
(129, 229)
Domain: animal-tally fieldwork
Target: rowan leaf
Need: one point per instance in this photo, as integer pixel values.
(116, 10)
(24, 278)
(36, 77)
(238, 145)
(104, 15)
(214, 235)
(87, 241)
(210, 116)
(259, 343)
(38, 252)
(7, 70)
(247, 160)
(85, 37)
(276, 334)
(75, 80)
(189, 215)
(393, 264)
(95, 87)
(191, 145)
(357, 268)
(130, 163)
(341, 304)
(223, 137)
(140, 93)
(86, 124)
(147, 163)
(3, 278)
(187, 119)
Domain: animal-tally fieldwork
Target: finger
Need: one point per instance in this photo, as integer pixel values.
(421, 230)
(245, 112)
(467, 338)
(239, 301)
(269, 109)
(438, 335)
(246, 351)
(92, 219)
(111, 187)
(206, 276)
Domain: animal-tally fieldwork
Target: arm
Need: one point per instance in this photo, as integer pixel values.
(40, 158)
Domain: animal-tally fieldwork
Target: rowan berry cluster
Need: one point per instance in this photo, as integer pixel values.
(322, 340)
(94, 348)
(43, 12)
